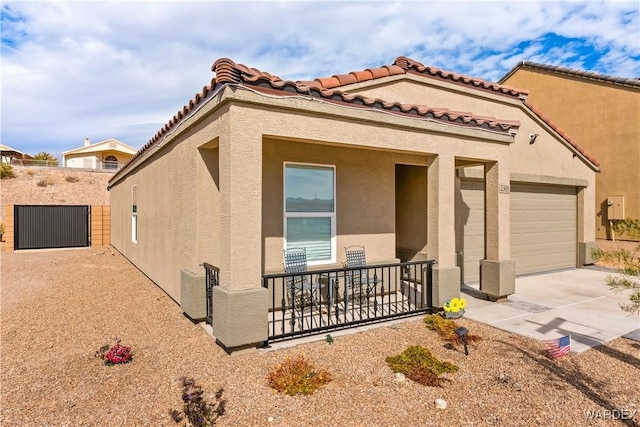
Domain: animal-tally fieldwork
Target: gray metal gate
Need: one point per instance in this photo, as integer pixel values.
(51, 226)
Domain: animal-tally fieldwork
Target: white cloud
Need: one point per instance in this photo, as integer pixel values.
(122, 70)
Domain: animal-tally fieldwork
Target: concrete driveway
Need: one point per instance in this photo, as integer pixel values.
(551, 305)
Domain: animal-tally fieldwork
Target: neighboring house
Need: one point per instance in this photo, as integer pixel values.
(108, 154)
(8, 154)
(410, 161)
(603, 113)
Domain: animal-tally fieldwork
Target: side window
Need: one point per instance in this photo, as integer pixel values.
(134, 214)
(310, 211)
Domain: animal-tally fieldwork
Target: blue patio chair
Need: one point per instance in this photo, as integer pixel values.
(301, 291)
(361, 285)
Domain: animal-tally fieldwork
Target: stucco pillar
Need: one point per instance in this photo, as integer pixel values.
(586, 225)
(441, 236)
(497, 271)
(240, 302)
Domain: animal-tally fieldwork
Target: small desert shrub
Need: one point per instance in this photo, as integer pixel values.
(297, 376)
(418, 364)
(629, 227)
(446, 328)
(6, 171)
(30, 172)
(616, 256)
(628, 264)
(195, 408)
(115, 355)
(71, 179)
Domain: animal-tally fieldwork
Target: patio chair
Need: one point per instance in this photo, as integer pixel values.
(301, 291)
(361, 285)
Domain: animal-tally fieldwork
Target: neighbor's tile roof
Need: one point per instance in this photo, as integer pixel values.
(588, 75)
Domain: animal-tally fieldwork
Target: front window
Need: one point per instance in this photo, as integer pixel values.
(309, 206)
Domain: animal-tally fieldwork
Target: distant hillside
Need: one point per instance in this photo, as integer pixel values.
(54, 186)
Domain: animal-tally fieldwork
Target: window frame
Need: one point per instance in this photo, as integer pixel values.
(330, 215)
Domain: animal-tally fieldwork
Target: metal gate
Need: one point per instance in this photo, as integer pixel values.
(51, 226)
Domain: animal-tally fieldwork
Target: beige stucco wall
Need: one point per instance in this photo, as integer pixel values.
(601, 117)
(548, 160)
(178, 216)
(365, 197)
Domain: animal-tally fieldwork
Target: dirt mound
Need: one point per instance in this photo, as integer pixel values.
(54, 186)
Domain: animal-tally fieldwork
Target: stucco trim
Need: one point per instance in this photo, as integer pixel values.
(550, 180)
(526, 178)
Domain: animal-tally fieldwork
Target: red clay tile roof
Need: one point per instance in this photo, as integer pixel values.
(588, 75)
(562, 133)
(416, 67)
(228, 71)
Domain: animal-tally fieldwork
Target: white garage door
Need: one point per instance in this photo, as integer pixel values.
(543, 227)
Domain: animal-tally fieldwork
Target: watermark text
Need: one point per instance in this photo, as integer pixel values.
(610, 414)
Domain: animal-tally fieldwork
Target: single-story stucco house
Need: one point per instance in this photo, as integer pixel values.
(412, 162)
(107, 154)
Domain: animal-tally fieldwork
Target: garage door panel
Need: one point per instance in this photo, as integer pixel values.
(543, 228)
(472, 225)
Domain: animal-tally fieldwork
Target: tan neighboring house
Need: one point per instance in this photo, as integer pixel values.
(603, 113)
(411, 161)
(107, 154)
(8, 154)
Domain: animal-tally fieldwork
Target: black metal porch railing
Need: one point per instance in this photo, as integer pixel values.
(345, 297)
(212, 278)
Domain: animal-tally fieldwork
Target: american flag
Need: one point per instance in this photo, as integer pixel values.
(558, 347)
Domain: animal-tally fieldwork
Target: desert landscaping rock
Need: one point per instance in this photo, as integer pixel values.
(60, 307)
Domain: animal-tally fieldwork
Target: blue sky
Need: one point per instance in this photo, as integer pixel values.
(121, 70)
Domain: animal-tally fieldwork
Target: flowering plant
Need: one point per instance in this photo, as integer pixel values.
(455, 305)
(115, 355)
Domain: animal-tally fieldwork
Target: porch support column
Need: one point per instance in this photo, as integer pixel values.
(586, 225)
(441, 240)
(497, 270)
(240, 302)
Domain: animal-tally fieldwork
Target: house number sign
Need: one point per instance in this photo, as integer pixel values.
(504, 189)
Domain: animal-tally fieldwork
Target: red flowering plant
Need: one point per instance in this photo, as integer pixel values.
(115, 355)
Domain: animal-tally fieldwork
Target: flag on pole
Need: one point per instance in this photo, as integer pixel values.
(558, 347)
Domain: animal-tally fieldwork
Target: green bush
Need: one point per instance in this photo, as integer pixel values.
(418, 364)
(6, 171)
(446, 328)
(628, 227)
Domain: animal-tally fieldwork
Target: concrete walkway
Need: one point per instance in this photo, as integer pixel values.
(551, 305)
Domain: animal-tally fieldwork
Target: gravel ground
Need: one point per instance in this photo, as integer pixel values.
(59, 307)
